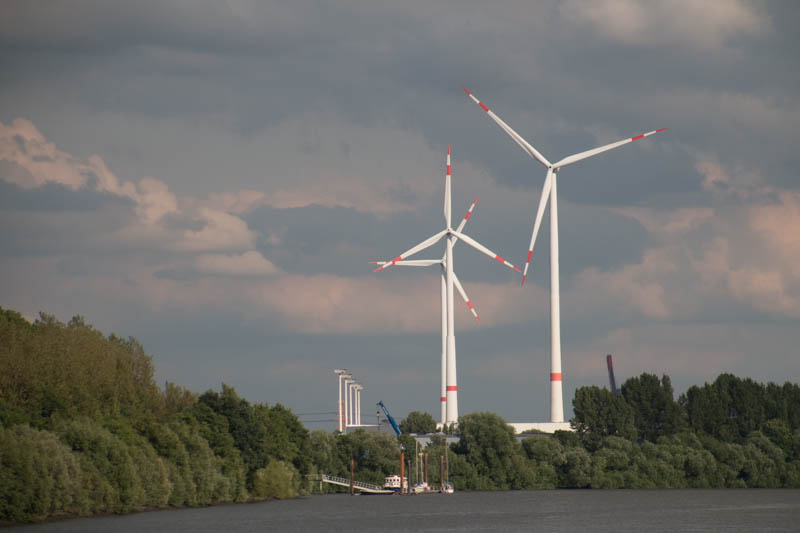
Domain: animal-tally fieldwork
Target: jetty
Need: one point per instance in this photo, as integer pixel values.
(361, 486)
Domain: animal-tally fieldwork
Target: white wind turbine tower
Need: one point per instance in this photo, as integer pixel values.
(443, 292)
(452, 236)
(549, 192)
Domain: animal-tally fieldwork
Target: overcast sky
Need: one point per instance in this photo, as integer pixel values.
(213, 178)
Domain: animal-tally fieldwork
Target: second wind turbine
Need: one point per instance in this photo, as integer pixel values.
(451, 237)
(549, 192)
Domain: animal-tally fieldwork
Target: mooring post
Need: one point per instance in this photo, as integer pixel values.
(441, 473)
(352, 476)
(409, 475)
(402, 470)
(446, 462)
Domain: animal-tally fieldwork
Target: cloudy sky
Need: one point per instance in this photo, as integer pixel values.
(213, 178)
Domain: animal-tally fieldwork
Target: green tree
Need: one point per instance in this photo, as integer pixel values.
(600, 414)
(655, 411)
(728, 409)
(489, 445)
(419, 423)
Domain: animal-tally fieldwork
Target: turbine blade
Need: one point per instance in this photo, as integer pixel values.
(513, 134)
(410, 262)
(411, 251)
(600, 149)
(447, 201)
(466, 298)
(466, 217)
(481, 248)
(548, 183)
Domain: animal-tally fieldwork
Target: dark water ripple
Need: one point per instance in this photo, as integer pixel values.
(653, 511)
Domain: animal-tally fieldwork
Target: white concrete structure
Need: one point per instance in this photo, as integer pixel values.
(348, 380)
(342, 373)
(351, 412)
(549, 192)
(358, 388)
(451, 396)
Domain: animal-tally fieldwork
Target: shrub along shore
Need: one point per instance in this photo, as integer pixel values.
(85, 430)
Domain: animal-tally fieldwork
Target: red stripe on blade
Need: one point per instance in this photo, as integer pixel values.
(660, 129)
(530, 253)
(499, 258)
(483, 107)
(396, 259)
(637, 137)
(523, 280)
(444, 399)
(555, 376)
(466, 217)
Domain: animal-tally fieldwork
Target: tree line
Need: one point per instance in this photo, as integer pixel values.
(84, 430)
(733, 432)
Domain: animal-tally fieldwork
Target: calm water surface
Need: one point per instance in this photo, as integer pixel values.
(588, 510)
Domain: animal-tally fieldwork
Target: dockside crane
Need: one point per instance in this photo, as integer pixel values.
(392, 422)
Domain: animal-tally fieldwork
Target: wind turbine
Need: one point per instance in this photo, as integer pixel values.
(451, 415)
(549, 192)
(443, 267)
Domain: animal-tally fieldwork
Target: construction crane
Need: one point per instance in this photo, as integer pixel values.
(391, 421)
(611, 379)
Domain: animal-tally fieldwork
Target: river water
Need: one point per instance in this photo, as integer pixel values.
(554, 510)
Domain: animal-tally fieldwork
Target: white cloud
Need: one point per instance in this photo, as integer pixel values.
(674, 22)
(22, 143)
(221, 231)
(250, 263)
(672, 222)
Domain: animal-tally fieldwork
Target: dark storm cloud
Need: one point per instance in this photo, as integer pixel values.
(53, 197)
(547, 75)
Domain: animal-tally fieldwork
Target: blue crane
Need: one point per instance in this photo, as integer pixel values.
(391, 420)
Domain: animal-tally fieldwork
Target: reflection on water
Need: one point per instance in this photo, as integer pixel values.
(555, 510)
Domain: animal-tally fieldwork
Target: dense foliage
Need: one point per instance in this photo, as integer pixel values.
(416, 422)
(84, 429)
(731, 433)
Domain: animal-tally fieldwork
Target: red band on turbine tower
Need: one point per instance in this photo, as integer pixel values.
(555, 376)
(452, 388)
